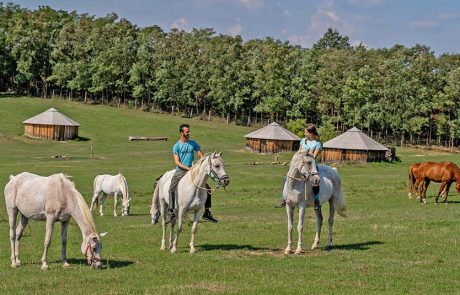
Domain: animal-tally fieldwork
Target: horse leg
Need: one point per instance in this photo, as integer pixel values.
(290, 217)
(93, 201)
(300, 229)
(115, 203)
(447, 192)
(64, 228)
(101, 204)
(180, 222)
(49, 230)
(417, 188)
(423, 190)
(19, 231)
(194, 226)
(331, 223)
(163, 224)
(441, 190)
(12, 215)
(319, 224)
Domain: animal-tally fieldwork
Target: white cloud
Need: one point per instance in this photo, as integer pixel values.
(234, 30)
(180, 23)
(366, 3)
(251, 4)
(325, 17)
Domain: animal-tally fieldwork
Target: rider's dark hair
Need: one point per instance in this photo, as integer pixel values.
(182, 127)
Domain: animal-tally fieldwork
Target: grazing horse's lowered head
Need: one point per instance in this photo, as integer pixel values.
(303, 167)
(91, 247)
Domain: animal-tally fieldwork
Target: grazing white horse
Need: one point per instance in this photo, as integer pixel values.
(53, 198)
(111, 184)
(191, 195)
(298, 191)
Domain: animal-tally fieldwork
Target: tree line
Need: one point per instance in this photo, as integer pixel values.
(399, 94)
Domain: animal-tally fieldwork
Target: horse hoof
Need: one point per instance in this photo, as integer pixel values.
(66, 265)
(45, 267)
(192, 251)
(14, 265)
(314, 246)
(299, 251)
(328, 248)
(173, 250)
(288, 251)
(162, 248)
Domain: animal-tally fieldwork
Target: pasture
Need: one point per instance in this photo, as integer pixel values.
(388, 244)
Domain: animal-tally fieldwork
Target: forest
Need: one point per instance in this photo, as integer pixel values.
(399, 95)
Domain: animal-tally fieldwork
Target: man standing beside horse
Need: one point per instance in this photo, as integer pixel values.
(184, 154)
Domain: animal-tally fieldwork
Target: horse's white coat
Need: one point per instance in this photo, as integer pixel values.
(53, 198)
(191, 196)
(108, 185)
(298, 192)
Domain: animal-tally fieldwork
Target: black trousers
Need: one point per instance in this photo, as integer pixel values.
(173, 190)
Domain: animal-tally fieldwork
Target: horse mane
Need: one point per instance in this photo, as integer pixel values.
(196, 166)
(124, 187)
(86, 214)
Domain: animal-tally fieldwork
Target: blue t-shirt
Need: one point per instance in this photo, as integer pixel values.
(186, 152)
(310, 145)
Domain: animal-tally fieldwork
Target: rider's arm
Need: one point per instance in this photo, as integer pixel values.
(200, 153)
(179, 164)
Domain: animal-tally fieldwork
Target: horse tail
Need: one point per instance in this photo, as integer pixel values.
(340, 204)
(94, 190)
(411, 181)
(155, 199)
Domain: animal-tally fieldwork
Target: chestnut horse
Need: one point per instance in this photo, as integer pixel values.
(412, 173)
(444, 172)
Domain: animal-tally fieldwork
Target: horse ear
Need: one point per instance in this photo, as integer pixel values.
(219, 154)
(103, 234)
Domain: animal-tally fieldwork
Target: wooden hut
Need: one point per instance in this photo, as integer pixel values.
(272, 139)
(51, 124)
(353, 146)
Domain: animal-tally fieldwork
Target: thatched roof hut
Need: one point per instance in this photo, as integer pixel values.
(51, 124)
(353, 146)
(272, 139)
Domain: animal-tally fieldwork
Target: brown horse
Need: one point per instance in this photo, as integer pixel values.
(412, 174)
(444, 172)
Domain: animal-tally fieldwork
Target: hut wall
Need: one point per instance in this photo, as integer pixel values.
(51, 131)
(339, 155)
(271, 146)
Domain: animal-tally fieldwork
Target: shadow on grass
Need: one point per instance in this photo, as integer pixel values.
(357, 246)
(80, 138)
(229, 247)
(112, 263)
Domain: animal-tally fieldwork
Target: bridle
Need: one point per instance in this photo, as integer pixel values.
(214, 176)
(91, 259)
(305, 177)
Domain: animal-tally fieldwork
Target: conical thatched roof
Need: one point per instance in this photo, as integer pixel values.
(354, 139)
(273, 131)
(51, 117)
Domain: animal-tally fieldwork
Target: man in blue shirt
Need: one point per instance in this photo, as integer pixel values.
(184, 154)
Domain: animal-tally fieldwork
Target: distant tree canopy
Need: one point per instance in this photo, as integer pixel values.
(399, 94)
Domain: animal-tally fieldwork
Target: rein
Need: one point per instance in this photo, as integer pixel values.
(214, 177)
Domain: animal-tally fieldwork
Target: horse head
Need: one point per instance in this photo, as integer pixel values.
(92, 248)
(303, 166)
(216, 169)
(126, 206)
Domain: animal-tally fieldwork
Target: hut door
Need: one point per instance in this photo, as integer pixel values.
(61, 132)
(263, 145)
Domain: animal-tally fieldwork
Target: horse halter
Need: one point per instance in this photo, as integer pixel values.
(214, 175)
(91, 259)
(307, 175)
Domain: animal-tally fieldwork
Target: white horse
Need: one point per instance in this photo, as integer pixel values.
(298, 191)
(111, 184)
(53, 198)
(191, 195)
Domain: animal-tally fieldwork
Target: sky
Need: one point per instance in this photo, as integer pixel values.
(374, 23)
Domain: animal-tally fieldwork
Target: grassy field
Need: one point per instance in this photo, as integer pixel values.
(388, 244)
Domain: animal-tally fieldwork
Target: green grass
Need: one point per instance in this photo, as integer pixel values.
(388, 244)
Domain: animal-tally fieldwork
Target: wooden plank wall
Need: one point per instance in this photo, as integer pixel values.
(271, 146)
(51, 131)
(338, 155)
